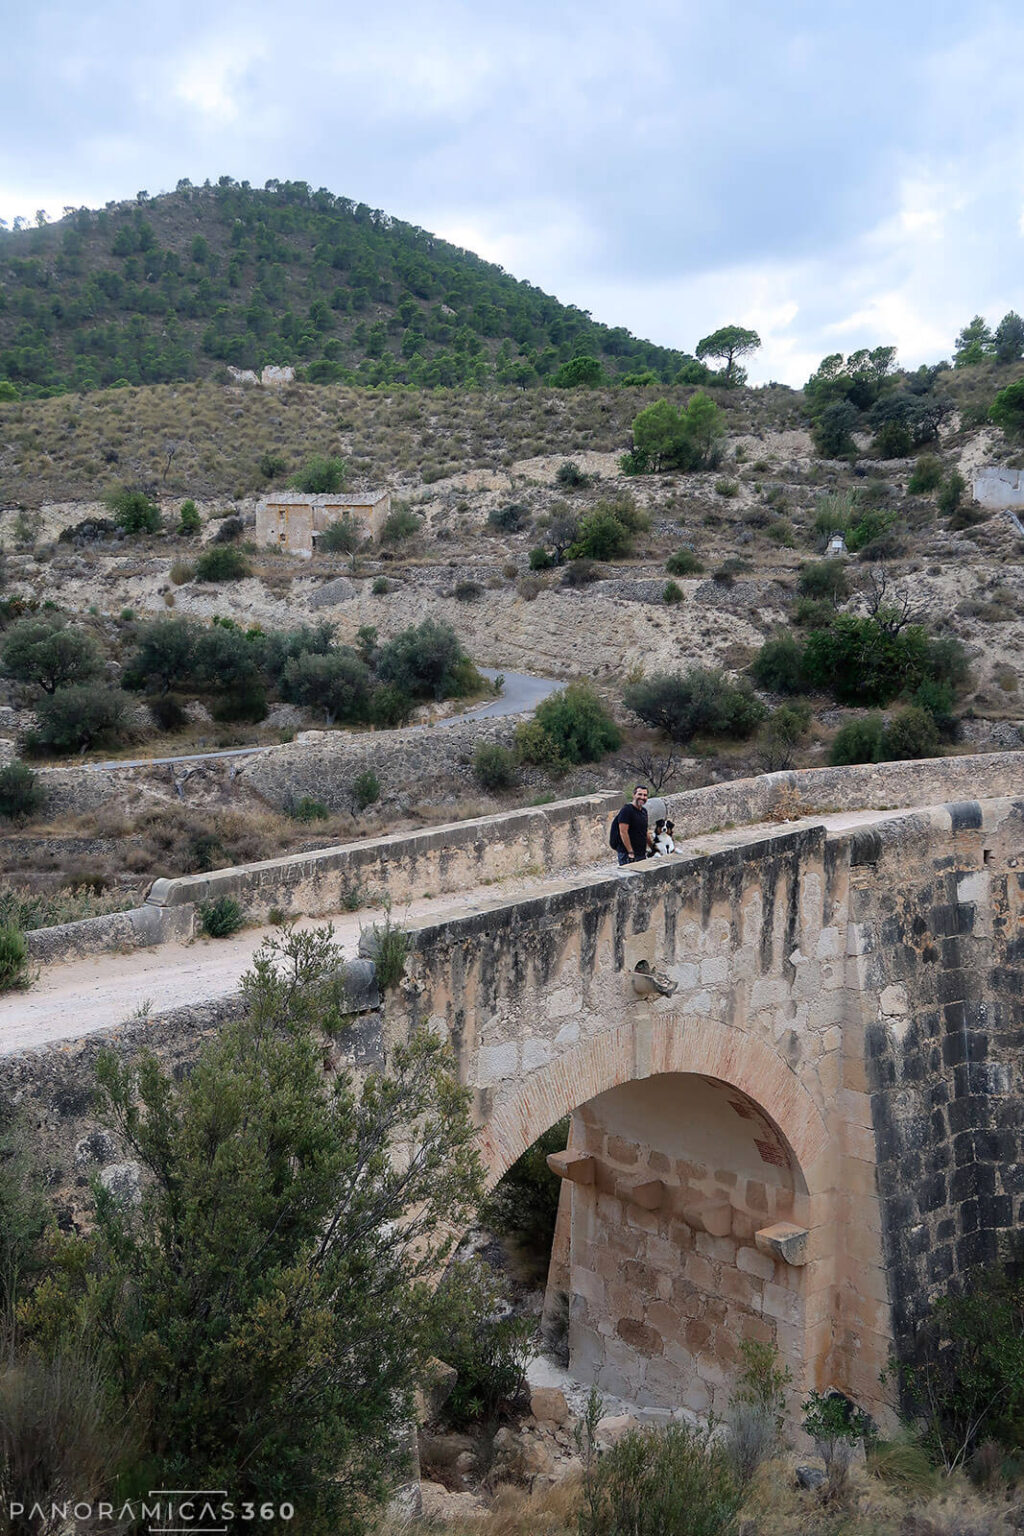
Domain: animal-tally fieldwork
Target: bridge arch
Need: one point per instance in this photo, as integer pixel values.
(690, 1144)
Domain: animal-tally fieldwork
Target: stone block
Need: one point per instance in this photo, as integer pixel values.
(754, 1262)
(782, 1304)
(639, 1336)
(621, 1151)
(577, 1167)
(783, 1241)
(548, 1405)
(495, 1063)
(713, 1217)
(720, 1250)
(648, 1194)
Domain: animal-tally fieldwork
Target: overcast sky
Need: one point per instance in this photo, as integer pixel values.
(834, 174)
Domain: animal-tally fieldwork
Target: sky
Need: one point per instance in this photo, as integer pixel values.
(833, 175)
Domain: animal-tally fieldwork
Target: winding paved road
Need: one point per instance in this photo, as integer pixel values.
(520, 695)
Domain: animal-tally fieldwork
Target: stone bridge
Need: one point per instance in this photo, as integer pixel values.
(792, 1055)
(821, 1124)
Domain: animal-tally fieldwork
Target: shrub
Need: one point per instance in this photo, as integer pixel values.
(911, 733)
(488, 1348)
(863, 661)
(340, 538)
(655, 1481)
(540, 560)
(926, 476)
(952, 493)
(602, 537)
(578, 724)
(892, 440)
(671, 593)
(824, 579)
(726, 488)
(167, 711)
(380, 586)
(271, 464)
(222, 563)
(468, 591)
(389, 707)
(320, 476)
(494, 766)
(389, 949)
(228, 529)
(665, 437)
(858, 741)
(82, 716)
(365, 790)
(683, 563)
(836, 1425)
(699, 701)
(166, 654)
(580, 573)
(307, 809)
(190, 521)
(507, 519)
(1008, 409)
(21, 794)
(220, 918)
(425, 661)
(134, 512)
(46, 653)
(181, 572)
(570, 476)
(833, 430)
(535, 746)
(524, 1204)
(399, 524)
(13, 959)
(758, 1408)
(338, 682)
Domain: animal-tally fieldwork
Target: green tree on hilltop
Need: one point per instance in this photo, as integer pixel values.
(727, 344)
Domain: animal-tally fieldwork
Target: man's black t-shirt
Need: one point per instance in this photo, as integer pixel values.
(636, 825)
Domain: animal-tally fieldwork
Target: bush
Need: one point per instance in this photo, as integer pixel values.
(272, 464)
(181, 572)
(80, 717)
(540, 560)
(221, 918)
(683, 563)
(365, 790)
(468, 591)
(655, 1481)
(229, 529)
(222, 563)
(381, 586)
(863, 661)
(701, 701)
(338, 682)
(46, 653)
(134, 512)
(602, 537)
(911, 733)
(340, 538)
(1008, 409)
(926, 476)
(321, 476)
(833, 430)
(507, 519)
(665, 437)
(824, 579)
(190, 521)
(727, 489)
(580, 573)
(13, 959)
(21, 794)
(488, 1348)
(399, 524)
(389, 950)
(757, 1409)
(858, 741)
(425, 661)
(389, 707)
(536, 747)
(524, 1204)
(952, 493)
(570, 476)
(494, 766)
(307, 809)
(167, 711)
(578, 724)
(671, 593)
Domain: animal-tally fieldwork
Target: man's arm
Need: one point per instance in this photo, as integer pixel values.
(624, 834)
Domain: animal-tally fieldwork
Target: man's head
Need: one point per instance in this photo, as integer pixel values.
(640, 796)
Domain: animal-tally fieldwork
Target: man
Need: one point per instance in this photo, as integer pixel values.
(629, 835)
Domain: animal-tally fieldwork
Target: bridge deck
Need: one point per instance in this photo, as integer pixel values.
(83, 997)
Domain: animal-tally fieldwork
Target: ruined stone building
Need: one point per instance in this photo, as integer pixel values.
(293, 521)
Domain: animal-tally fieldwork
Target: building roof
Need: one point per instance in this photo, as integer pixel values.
(301, 499)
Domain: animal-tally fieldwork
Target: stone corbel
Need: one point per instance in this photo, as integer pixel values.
(577, 1167)
(648, 1194)
(783, 1241)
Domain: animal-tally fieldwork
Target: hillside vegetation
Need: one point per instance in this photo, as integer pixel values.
(178, 286)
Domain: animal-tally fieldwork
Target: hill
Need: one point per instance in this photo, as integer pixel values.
(183, 285)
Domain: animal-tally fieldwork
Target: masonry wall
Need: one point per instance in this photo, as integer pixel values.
(941, 944)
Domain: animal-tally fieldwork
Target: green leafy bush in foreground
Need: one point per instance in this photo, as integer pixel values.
(701, 701)
(13, 959)
(220, 918)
